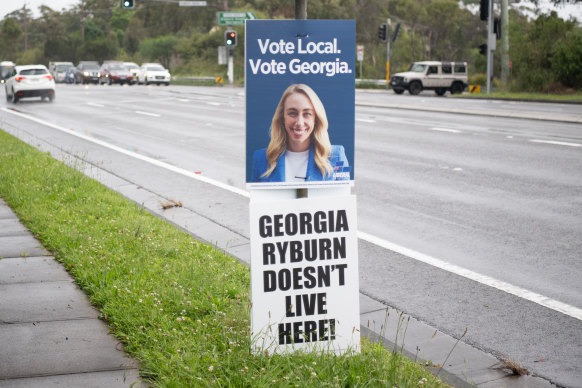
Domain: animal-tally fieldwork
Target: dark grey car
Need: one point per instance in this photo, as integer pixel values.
(87, 72)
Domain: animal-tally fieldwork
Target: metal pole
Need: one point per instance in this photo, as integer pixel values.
(301, 14)
(230, 53)
(230, 65)
(388, 39)
(489, 51)
(504, 43)
(300, 9)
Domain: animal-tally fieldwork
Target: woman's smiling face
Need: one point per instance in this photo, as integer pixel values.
(299, 120)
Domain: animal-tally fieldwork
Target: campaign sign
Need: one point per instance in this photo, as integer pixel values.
(304, 275)
(300, 103)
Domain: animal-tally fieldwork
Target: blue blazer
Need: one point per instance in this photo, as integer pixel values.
(337, 158)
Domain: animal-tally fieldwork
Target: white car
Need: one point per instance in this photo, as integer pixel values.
(153, 73)
(133, 69)
(30, 81)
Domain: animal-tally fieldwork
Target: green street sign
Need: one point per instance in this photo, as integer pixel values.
(233, 18)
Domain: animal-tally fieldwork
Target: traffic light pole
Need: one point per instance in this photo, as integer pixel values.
(490, 46)
(230, 71)
(230, 53)
(387, 53)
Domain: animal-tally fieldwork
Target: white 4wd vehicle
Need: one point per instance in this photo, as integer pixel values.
(431, 75)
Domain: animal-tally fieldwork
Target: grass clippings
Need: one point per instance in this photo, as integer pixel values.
(170, 204)
(512, 367)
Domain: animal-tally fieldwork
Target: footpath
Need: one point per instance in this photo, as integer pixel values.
(50, 336)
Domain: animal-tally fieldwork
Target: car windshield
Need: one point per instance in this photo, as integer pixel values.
(33, 71)
(417, 68)
(117, 67)
(91, 67)
(132, 66)
(155, 68)
(63, 67)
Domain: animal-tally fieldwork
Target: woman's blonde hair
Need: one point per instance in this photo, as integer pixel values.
(319, 136)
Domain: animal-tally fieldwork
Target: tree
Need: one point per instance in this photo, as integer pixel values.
(533, 48)
(159, 49)
(567, 59)
(10, 33)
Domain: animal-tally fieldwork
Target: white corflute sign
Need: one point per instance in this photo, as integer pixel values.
(304, 275)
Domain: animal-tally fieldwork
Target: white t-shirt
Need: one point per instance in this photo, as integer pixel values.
(296, 166)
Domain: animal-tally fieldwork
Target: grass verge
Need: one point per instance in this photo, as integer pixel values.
(576, 98)
(180, 307)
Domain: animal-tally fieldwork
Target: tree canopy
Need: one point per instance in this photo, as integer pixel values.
(545, 52)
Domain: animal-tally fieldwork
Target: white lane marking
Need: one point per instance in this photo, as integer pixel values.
(183, 100)
(445, 130)
(542, 300)
(136, 155)
(97, 105)
(147, 113)
(441, 264)
(366, 120)
(213, 103)
(564, 143)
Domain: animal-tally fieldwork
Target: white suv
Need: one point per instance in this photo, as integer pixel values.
(431, 75)
(30, 81)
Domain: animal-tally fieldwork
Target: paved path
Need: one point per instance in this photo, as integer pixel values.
(50, 336)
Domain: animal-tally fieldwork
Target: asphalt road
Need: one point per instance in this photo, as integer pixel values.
(500, 197)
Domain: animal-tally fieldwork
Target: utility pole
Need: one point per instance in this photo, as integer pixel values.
(82, 20)
(504, 43)
(300, 9)
(25, 16)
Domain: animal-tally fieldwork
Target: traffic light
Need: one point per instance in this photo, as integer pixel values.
(230, 38)
(484, 9)
(382, 32)
(396, 31)
(483, 49)
(126, 3)
(497, 27)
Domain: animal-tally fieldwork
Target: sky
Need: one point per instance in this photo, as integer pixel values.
(7, 6)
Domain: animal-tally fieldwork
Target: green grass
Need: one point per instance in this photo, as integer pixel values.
(180, 307)
(576, 97)
(201, 81)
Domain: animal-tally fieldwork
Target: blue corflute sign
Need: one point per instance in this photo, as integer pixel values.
(300, 88)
